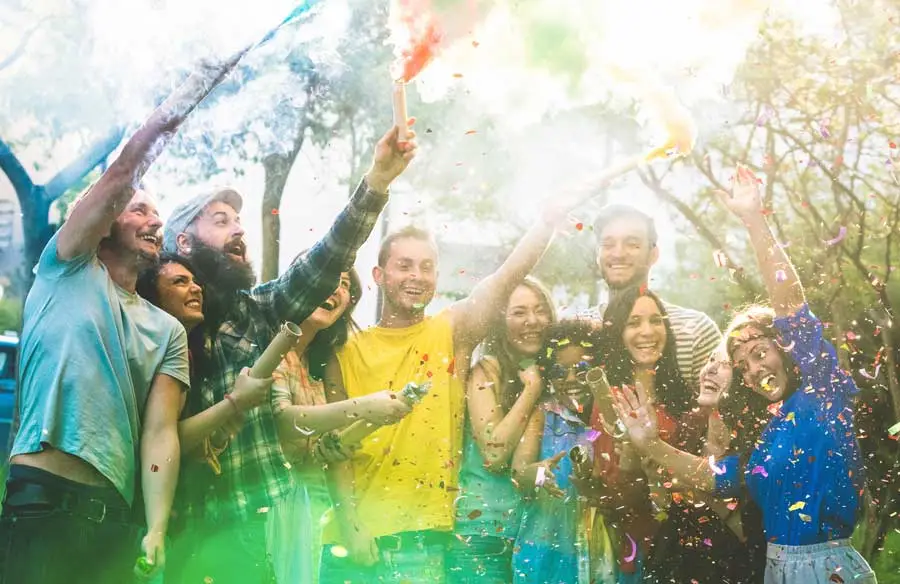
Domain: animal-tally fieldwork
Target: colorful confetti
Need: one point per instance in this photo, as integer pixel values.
(719, 470)
(842, 233)
(630, 558)
(759, 470)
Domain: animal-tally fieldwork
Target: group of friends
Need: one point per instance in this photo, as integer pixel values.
(634, 443)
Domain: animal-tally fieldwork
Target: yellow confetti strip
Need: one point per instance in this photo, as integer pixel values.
(797, 505)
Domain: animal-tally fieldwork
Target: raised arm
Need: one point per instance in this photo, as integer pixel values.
(472, 315)
(313, 276)
(93, 215)
(783, 285)
(499, 434)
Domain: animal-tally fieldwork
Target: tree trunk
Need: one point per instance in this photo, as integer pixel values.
(277, 168)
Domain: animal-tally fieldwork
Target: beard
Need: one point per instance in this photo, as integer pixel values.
(222, 278)
(114, 242)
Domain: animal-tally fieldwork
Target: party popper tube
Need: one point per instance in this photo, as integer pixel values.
(283, 342)
(400, 113)
(411, 394)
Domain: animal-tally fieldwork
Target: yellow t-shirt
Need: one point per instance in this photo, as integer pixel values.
(406, 474)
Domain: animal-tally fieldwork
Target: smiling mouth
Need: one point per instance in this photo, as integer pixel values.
(328, 305)
(236, 249)
(765, 383)
(194, 304)
(154, 239)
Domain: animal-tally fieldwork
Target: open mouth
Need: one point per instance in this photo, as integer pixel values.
(530, 337)
(647, 346)
(328, 305)
(766, 382)
(195, 304)
(711, 388)
(236, 249)
(150, 238)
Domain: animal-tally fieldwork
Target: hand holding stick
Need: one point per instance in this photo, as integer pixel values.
(411, 394)
(283, 342)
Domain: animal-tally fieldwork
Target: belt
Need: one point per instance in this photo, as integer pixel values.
(32, 497)
(407, 540)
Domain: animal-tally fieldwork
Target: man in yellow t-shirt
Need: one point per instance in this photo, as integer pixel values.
(393, 501)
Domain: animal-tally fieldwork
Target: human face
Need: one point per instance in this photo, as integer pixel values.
(645, 332)
(137, 228)
(219, 227)
(527, 317)
(180, 295)
(715, 378)
(624, 254)
(761, 363)
(409, 277)
(332, 308)
(568, 376)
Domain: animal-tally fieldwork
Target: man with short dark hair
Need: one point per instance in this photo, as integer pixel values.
(102, 380)
(626, 250)
(225, 540)
(394, 501)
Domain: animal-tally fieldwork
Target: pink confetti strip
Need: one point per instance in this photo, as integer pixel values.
(760, 471)
(592, 435)
(868, 375)
(780, 276)
(842, 233)
(541, 477)
(633, 555)
(719, 470)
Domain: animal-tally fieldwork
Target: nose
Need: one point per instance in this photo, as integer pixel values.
(196, 289)
(238, 230)
(155, 222)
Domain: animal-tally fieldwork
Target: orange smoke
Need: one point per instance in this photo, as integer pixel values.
(416, 34)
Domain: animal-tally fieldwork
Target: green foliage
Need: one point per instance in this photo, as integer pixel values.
(10, 314)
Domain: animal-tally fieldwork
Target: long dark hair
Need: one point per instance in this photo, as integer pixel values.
(671, 389)
(329, 340)
(497, 347)
(147, 287)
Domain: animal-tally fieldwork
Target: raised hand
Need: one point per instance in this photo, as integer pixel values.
(637, 413)
(744, 200)
(532, 477)
(391, 158)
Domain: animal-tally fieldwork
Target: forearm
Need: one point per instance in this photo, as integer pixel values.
(318, 419)
(500, 437)
(314, 276)
(194, 430)
(490, 294)
(691, 470)
(341, 488)
(782, 283)
(160, 461)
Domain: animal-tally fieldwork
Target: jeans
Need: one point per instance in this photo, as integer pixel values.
(479, 559)
(222, 553)
(409, 563)
(43, 542)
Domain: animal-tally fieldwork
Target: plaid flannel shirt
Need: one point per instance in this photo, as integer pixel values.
(254, 471)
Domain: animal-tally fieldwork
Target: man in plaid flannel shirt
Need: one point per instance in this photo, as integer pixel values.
(226, 540)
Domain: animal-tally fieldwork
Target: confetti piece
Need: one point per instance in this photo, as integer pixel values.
(720, 258)
(790, 418)
(780, 276)
(579, 226)
(760, 471)
(707, 542)
(274, 211)
(842, 233)
(804, 517)
(541, 477)
(470, 132)
(153, 468)
(894, 430)
(719, 470)
(474, 514)
(592, 435)
(797, 505)
(633, 555)
(339, 551)
(835, 578)
(868, 375)
(262, 510)
(208, 580)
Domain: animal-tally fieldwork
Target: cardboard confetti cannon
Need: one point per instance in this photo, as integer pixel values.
(411, 394)
(283, 342)
(400, 113)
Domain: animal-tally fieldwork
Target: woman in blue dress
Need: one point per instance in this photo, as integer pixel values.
(805, 469)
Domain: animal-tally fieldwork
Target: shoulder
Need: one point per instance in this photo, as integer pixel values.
(689, 320)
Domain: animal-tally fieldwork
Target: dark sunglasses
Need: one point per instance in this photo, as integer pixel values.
(559, 372)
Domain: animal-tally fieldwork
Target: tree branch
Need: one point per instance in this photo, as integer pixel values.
(14, 170)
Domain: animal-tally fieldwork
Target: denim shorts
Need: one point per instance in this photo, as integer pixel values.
(410, 558)
(833, 561)
(479, 559)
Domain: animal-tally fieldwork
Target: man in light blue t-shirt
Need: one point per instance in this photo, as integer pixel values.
(102, 380)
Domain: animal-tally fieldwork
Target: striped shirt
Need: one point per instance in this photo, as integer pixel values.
(254, 471)
(696, 336)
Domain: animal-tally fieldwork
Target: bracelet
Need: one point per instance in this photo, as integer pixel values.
(230, 399)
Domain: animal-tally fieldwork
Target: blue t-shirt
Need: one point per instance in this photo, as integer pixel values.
(489, 504)
(806, 470)
(89, 353)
